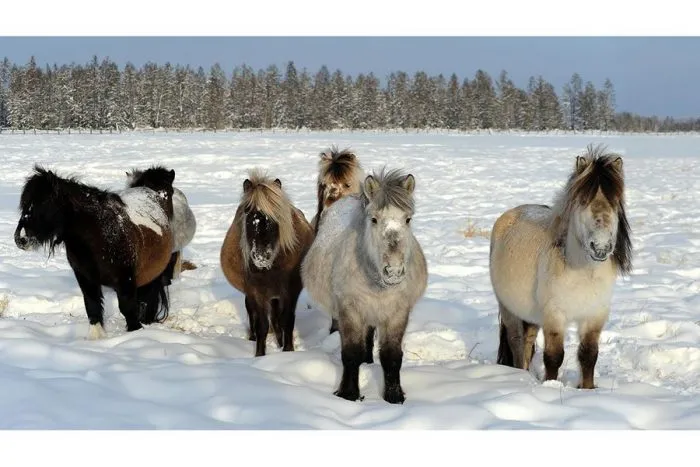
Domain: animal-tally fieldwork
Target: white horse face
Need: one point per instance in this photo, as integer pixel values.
(596, 228)
(388, 235)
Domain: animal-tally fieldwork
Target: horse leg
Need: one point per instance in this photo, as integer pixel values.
(391, 356)
(530, 332)
(276, 319)
(92, 296)
(589, 335)
(554, 327)
(262, 325)
(352, 352)
(510, 346)
(334, 326)
(169, 273)
(129, 304)
(177, 269)
(369, 344)
(289, 313)
(252, 319)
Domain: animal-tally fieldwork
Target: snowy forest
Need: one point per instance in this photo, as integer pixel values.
(101, 95)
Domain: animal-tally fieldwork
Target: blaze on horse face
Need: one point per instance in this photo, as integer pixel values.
(388, 231)
(261, 235)
(40, 222)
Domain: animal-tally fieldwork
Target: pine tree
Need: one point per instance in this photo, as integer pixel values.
(398, 100)
(606, 105)
(571, 102)
(587, 102)
(321, 96)
(452, 106)
(485, 96)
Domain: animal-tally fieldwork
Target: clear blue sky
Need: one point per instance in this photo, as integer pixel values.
(652, 75)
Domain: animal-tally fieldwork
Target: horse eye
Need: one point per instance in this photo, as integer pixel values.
(347, 185)
(408, 220)
(374, 220)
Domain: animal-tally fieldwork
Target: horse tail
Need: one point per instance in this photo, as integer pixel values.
(505, 354)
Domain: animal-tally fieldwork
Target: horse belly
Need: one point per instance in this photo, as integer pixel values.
(154, 255)
(513, 267)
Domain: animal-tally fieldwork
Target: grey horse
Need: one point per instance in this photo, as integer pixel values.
(367, 270)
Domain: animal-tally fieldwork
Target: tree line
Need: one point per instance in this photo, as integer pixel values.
(101, 95)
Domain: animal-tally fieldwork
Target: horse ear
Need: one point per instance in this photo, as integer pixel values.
(247, 185)
(581, 163)
(278, 182)
(409, 183)
(172, 175)
(370, 187)
(617, 163)
(326, 156)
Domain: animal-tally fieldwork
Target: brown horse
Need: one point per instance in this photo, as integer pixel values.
(553, 266)
(340, 174)
(118, 240)
(261, 257)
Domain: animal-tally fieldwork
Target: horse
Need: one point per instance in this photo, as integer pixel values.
(366, 269)
(551, 266)
(119, 240)
(261, 257)
(183, 222)
(340, 174)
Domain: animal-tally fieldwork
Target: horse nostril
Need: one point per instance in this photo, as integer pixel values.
(592, 245)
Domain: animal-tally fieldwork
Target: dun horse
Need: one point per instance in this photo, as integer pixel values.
(340, 174)
(553, 266)
(367, 270)
(119, 240)
(183, 221)
(261, 257)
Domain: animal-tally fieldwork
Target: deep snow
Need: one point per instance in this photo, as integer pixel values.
(197, 370)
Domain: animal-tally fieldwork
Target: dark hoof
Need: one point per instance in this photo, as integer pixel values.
(288, 348)
(395, 395)
(349, 395)
(581, 386)
(133, 327)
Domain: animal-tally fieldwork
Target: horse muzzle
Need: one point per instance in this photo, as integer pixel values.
(263, 261)
(600, 254)
(393, 275)
(22, 240)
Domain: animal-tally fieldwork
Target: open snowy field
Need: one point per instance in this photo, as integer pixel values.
(197, 371)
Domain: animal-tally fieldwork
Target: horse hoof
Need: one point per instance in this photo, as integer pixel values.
(96, 332)
(581, 386)
(395, 396)
(349, 395)
(134, 327)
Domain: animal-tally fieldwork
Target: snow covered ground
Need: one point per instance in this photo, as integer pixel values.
(197, 369)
